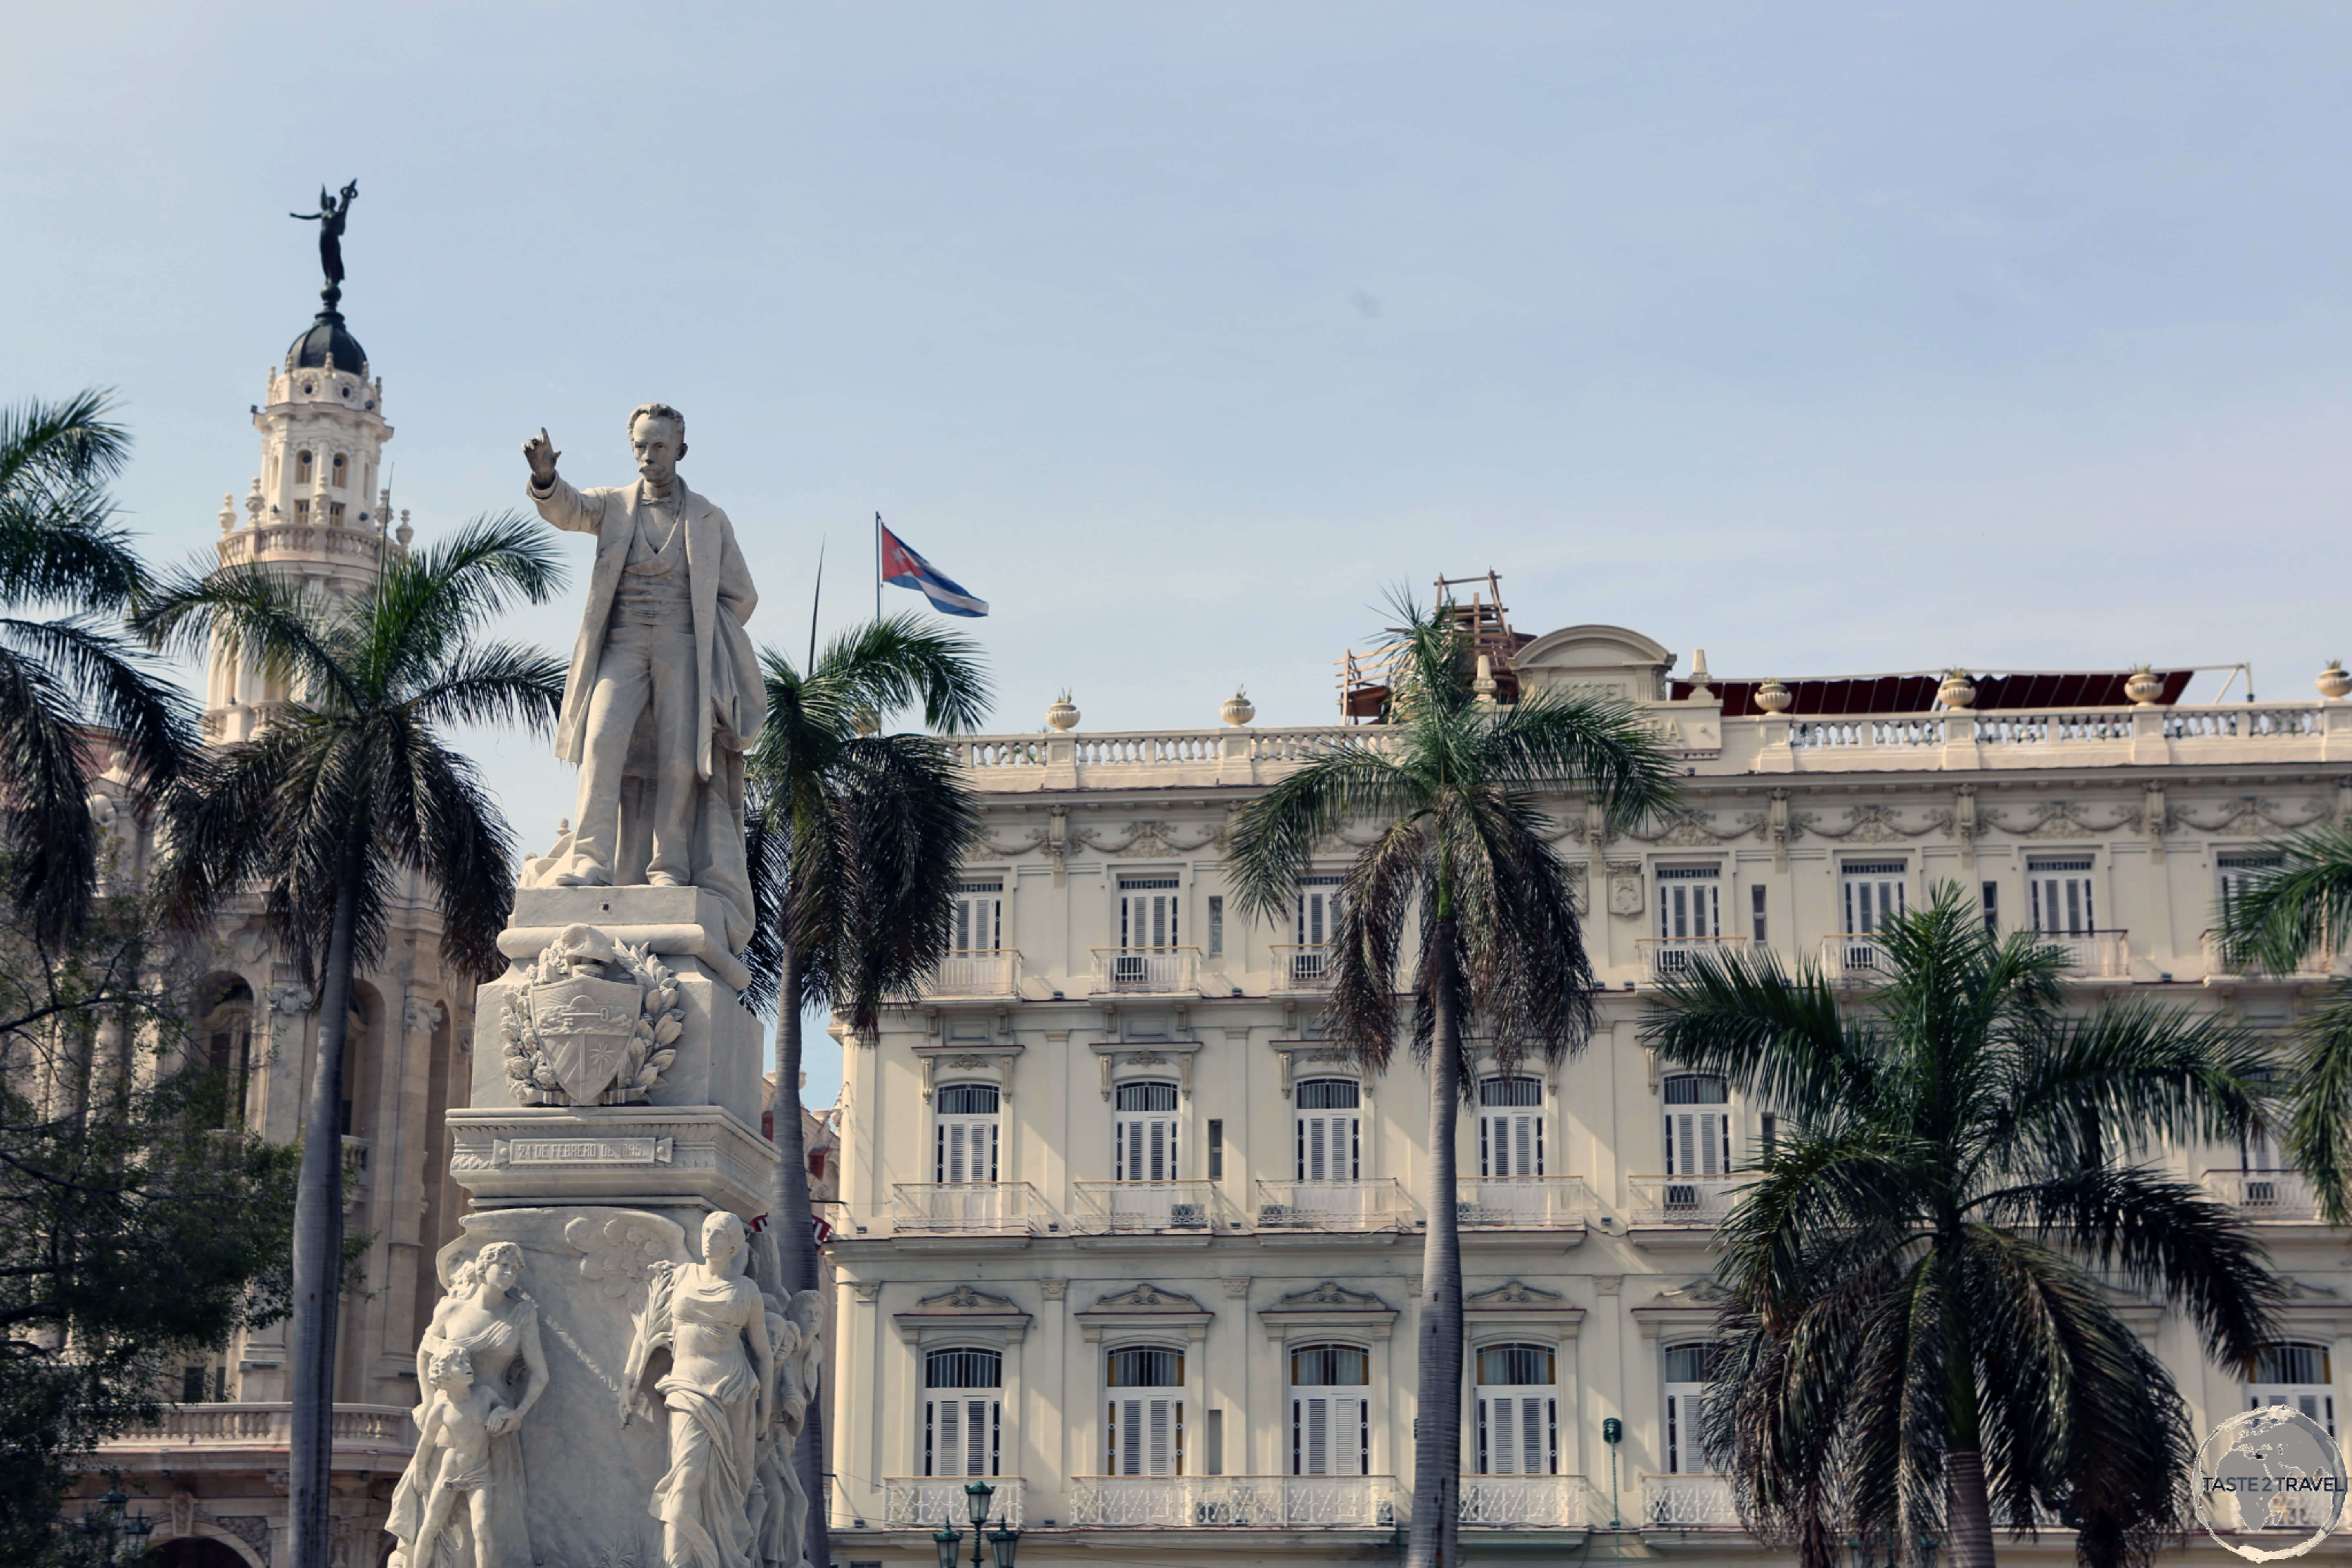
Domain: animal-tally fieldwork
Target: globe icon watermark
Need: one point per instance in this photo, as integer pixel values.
(2270, 1484)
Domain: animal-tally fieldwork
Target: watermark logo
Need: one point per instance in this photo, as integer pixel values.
(2270, 1484)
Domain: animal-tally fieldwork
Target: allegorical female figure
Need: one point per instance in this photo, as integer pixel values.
(497, 1328)
(713, 1322)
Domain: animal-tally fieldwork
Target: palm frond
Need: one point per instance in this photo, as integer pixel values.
(2319, 1103)
(1274, 836)
(900, 661)
(504, 684)
(1779, 1037)
(1554, 741)
(2280, 914)
(249, 612)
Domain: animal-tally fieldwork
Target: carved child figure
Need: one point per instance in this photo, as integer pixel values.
(454, 1425)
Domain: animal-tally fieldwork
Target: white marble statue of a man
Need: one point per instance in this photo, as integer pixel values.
(664, 693)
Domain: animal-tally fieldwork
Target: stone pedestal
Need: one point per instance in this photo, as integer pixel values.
(596, 1193)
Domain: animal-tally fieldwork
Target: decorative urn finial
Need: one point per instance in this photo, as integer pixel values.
(1237, 709)
(1063, 714)
(228, 511)
(2145, 686)
(2333, 683)
(1772, 697)
(1958, 691)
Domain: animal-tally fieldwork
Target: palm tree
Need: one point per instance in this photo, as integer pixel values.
(855, 839)
(1462, 868)
(67, 683)
(1916, 1334)
(348, 791)
(2278, 916)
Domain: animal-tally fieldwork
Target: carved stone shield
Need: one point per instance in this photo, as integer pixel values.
(585, 1025)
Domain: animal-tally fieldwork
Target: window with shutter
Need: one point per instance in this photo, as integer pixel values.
(1330, 1427)
(1143, 1134)
(964, 1132)
(978, 916)
(1690, 902)
(1510, 1127)
(2058, 897)
(2298, 1376)
(1688, 1369)
(1146, 1429)
(1328, 1134)
(1518, 1411)
(963, 1412)
(1874, 894)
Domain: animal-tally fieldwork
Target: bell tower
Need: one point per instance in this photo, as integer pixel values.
(316, 511)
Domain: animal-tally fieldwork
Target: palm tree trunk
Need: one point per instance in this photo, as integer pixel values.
(1437, 1435)
(319, 1245)
(789, 1214)
(1967, 1512)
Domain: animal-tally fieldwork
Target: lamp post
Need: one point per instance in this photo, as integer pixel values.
(1003, 1542)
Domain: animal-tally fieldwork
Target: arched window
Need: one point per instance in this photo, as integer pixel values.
(1329, 1138)
(1143, 1134)
(301, 467)
(2297, 1375)
(1518, 1411)
(1688, 1368)
(963, 1133)
(228, 1030)
(340, 470)
(1510, 1127)
(1146, 1429)
(1330, 1428)
(1698, 1133)
(962, 1412)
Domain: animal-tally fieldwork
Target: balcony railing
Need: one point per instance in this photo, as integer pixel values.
(2279, 1196)
(1670, 958)
(1526, 1502)
(1523, 1203)
(1200, 1502)
(2092, 953)
(1853, 959)
(1153, 1208)
(971, 1208)
(1688, 1502)
(2219, 964)
(1336, 1205)
(1303, 966)
(1683, 1200)
(1146, 971)
(376, 1428)
(978, 972)
(908, 1501)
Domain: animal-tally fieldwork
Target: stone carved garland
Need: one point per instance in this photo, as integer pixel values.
(533, 1070)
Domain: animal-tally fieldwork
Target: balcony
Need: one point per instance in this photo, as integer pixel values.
(2275, 1198)
(1198, 1502)
(1147, 971)
(1526, 1502)
(1700, 1202)
(1302, 966)
(188, 1437)
(2219, 965)
(1853, 959)
(1688, 1502)
(971, 1208)
(1523, 1203)
(922, 1501)
(2093, 954)
(978, 972)
(1336, 1206)
(1153, 1208)
(1670, 958)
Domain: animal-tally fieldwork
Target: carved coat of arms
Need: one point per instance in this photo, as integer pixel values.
(577, 1036)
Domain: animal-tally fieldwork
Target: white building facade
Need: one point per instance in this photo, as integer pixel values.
(1118, 1232)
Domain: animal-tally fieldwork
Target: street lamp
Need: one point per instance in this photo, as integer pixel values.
(947, 1538)
(1003, 1541)
(976, 1496)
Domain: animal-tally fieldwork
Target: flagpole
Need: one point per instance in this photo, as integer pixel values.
(878, 565)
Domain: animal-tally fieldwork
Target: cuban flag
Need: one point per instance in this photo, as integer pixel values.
(905, 569)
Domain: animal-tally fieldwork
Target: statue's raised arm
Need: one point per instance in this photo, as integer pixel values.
(330, 217)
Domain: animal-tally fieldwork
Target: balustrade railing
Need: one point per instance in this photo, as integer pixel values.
(1853, 959)
(1205, 1503)
(264, 1424)
(2006, 729)
(971, 1208)
(978, 972)
(924, 1501)
(1526, 1502)
(1523, 1203)
(1669, 958)
(1688, 1502)
(1302, 966)
(2241, 722)
(1336, 1205)
(2279, 1196)
(1697, 1201)
(1146, 971)
(1153, 1208)
(2092, 953)
(1894, 733)
(2218, 963)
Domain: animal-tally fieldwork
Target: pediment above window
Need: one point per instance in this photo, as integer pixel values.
(963, 1307)
(1146, 1306)
(1333, 1306)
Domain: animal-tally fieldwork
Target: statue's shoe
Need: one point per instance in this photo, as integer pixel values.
(589, 878)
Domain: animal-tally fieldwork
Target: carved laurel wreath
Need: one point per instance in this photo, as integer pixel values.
(652, 1045)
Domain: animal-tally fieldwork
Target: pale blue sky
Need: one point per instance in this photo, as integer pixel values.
(1826, 337)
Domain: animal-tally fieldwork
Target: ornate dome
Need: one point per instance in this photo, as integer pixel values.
(327, 336)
